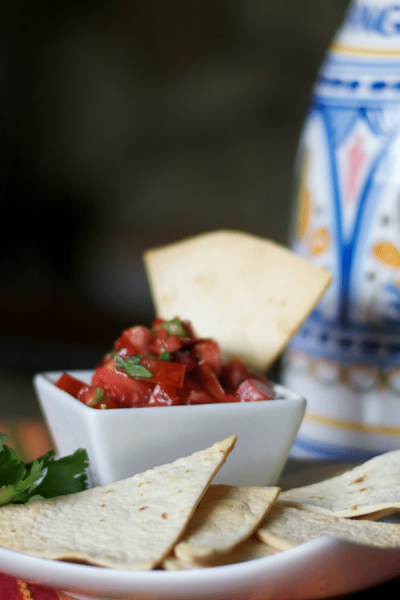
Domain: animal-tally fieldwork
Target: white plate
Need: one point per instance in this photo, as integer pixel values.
(321, 568)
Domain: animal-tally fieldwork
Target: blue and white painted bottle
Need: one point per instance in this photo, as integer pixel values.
(346, 358)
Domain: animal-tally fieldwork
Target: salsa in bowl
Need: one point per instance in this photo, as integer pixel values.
(161, 393)
(166, 364)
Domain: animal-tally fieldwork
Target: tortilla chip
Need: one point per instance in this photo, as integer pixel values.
(286, 527)
(372, 488)
(130, 524)
(226, 516)
(249, 549)
(376, 515)
(249, 294)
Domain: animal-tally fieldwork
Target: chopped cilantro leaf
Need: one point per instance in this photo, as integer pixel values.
(131, 365)
(98, 396)
(175, 327)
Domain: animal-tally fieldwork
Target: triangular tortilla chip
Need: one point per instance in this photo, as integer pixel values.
(130, 524)
(286, 527)
(226, 516)
(249, 549)
(249, 294)
(372, 488)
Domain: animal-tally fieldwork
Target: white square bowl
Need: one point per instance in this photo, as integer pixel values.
(123, 441)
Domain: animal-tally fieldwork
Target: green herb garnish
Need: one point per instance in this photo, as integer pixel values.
(131, 365)
(175, 327)
(42, 478)
(98, 396)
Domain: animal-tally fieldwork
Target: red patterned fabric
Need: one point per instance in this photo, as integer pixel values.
(9, 589)
(12, 588)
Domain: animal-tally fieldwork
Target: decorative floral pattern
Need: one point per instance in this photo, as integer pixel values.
(348, 221)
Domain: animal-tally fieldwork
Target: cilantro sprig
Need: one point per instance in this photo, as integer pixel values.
(42, 478)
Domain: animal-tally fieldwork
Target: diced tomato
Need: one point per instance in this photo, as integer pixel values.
(230, 398)
(209, 381)
(168, 337)
(233, 373)
(95, 397)
(126, 391)
(164, 395)
(186, 357)
(165, 342)
(70, 384)
(253, 390)
(165, 372)
(157, 324)
(193, 392)
(200, 397)
(136, 340)
(208, 351)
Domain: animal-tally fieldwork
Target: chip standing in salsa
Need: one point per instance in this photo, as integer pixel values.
(166, 365)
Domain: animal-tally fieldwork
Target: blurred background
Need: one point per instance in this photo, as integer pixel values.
(129, 124)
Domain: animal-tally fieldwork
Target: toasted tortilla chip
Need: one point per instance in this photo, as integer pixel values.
(286, 527)
(248, 293)
(372, 488)
(130, 524)
(249, 549)
(226, 516)
(377, 515)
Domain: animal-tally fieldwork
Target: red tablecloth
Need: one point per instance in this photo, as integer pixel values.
(16, 589)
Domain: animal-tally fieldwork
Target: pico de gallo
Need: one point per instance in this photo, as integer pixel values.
(166, 365)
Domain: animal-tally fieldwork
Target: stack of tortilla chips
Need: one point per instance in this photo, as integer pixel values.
(173, 517)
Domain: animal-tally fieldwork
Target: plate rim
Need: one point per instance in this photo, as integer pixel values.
(215, 581)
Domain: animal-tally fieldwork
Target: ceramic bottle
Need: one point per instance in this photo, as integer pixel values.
(346, 358)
